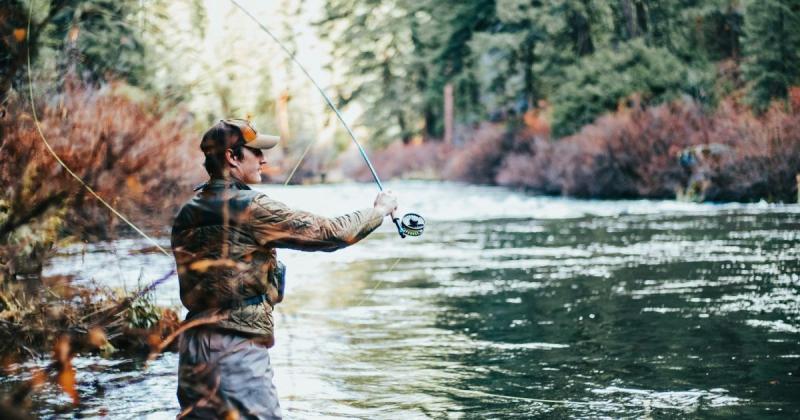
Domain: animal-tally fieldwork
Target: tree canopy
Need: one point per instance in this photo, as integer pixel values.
(579, 57)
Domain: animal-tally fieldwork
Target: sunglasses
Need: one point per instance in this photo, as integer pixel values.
(258, 152)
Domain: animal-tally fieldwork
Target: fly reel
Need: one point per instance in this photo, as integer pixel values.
(413, 224)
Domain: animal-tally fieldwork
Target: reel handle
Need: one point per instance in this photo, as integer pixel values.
(400, 229)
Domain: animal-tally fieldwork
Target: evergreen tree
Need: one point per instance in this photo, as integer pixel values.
(377, 63)
(504, 56)
(581, 56)
(772, 49)
(95, 39)
(451, 58)
(173, 32)
(100, 39)
(574, 29)
(15, 41)
(597, 83)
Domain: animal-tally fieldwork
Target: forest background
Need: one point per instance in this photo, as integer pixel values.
(689, 99)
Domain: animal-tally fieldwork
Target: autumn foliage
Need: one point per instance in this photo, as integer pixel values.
(679, 149)
(416, 161)
(636, 153)
(138, 161)
(132, 157)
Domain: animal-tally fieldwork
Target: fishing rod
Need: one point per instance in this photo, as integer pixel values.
(411, 224)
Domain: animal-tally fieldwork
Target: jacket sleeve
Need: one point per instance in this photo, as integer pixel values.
(276, 225)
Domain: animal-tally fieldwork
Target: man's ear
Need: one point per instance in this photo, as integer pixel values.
(230, 159)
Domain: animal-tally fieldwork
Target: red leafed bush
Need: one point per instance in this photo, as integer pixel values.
(482, 156)
(138, 162)
(634, 153)
(532, 165)
(399, 160)
(766, 154)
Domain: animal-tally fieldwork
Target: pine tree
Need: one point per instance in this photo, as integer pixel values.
(95, 39)
(376, 63)
(100, 39)
(772, 49)
(599, 82)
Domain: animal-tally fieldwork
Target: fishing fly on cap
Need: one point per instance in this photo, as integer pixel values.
(251, 137)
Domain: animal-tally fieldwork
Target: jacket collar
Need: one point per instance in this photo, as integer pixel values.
(219, 183)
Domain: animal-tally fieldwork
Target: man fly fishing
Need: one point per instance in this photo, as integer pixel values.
(224, 240)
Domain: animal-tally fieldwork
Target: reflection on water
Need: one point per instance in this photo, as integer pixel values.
(508, 306)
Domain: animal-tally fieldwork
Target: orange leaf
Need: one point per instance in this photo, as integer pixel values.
(19, 34)
(66, 373)
(61, 350)
(134, 185)
(66, 379)
(72, 36)
(97, 337)
(154, 340)
(38, 378)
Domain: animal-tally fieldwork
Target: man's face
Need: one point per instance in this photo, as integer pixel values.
(250, 166)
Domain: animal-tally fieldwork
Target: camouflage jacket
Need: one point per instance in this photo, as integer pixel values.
(224, 242)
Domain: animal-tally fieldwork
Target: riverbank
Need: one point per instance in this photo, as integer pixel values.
(672, 151)
(125, 152)
(95, 319)
(57, 320)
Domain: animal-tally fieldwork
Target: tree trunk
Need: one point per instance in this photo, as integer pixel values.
(448, 113)
(283, 119)
(630, 20)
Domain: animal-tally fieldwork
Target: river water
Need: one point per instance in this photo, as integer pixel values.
(509, 306)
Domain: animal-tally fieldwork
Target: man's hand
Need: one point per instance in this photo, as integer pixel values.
(386, 202)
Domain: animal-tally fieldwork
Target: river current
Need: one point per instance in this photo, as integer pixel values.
(508, 306)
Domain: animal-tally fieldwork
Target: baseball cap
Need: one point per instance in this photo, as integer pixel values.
(224, 135)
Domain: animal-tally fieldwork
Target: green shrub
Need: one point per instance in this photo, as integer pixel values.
(596, 84)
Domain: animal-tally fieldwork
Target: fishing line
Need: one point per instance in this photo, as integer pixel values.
(125, 302)
(380, 281)
(58, 158)
(299, 161)
(322, 92)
